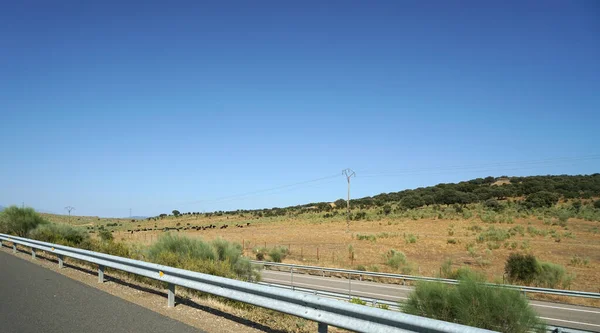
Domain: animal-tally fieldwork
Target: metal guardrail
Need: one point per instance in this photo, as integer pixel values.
(312, 307)
(350, 273)
(391, 305)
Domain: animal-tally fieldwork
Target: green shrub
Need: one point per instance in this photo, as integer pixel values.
(19, 221)
(541, 199)
(521, 268)
(216, 258)
(517, 230)
(59, 234)
(260, 253)
(371, 238)
(579, 261)
(397, 260)
(597, 204)
(493, 234)
(277, 254)
(410, 238)
(493, 204)
(105, 235)
(451, 241)
(474, 304)
(525, 268)
(551, 275)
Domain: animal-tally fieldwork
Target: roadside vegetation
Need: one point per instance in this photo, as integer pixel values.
(218, 257)
(474, 304)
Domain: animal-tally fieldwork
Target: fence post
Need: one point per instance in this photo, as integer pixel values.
(322, 328)
(100, 273)
(292, 271)
(14, 248)
(60, 261)
(171, 296)
(32, 253)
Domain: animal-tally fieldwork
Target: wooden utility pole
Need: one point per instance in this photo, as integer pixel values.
(349, 174)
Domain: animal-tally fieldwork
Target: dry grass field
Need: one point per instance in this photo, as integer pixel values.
(427, 242)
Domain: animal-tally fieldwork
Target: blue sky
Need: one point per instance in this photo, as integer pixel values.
(116, 105)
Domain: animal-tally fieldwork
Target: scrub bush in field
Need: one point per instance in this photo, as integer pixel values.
(19, 221)
(220, 257)
(397, 260)
(474, 304)
(60, 234)
(105, 235)
(525, 268)
(277, 254)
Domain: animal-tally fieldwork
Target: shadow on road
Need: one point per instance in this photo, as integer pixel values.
(178, 300)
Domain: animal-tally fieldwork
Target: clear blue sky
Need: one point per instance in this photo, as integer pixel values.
(161, 105)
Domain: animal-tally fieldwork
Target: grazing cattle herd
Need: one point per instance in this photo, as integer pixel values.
(185, 228)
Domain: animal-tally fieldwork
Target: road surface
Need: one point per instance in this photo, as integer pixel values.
(34, 299)
(562, 315)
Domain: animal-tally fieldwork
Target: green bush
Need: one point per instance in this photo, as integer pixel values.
(410, 239)
(579, 261)
(551, 275)
(541, 199)
(493, 234)
(217, 258)
(597, 204)
(474, 304)
(105, 235)
(277, 254)
(261, 253)
(19, 221)
(521, 268)
(397, 260)
(525, 268)
(59, 234)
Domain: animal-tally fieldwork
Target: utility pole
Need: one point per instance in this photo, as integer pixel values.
(349, 174)
(69, 209)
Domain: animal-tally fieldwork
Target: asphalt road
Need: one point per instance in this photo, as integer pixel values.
(35, 299)
(563, 315)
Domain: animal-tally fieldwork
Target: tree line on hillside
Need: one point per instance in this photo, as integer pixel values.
(531, 192)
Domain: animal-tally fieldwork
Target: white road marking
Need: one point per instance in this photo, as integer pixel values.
(568, 321)
(372, 284)
(344, 290)
(561, 308)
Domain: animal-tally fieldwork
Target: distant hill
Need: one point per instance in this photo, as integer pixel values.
(529, 191)
(2, 208)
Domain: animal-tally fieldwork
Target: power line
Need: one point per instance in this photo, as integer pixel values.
(235, 196)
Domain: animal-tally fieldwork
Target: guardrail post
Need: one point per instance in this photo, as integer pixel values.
(292, 271)
(322, 328)
(60, 261)
(14, 248)
(32, 253)
(171, 296)
(350, 284)
(100, 273)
